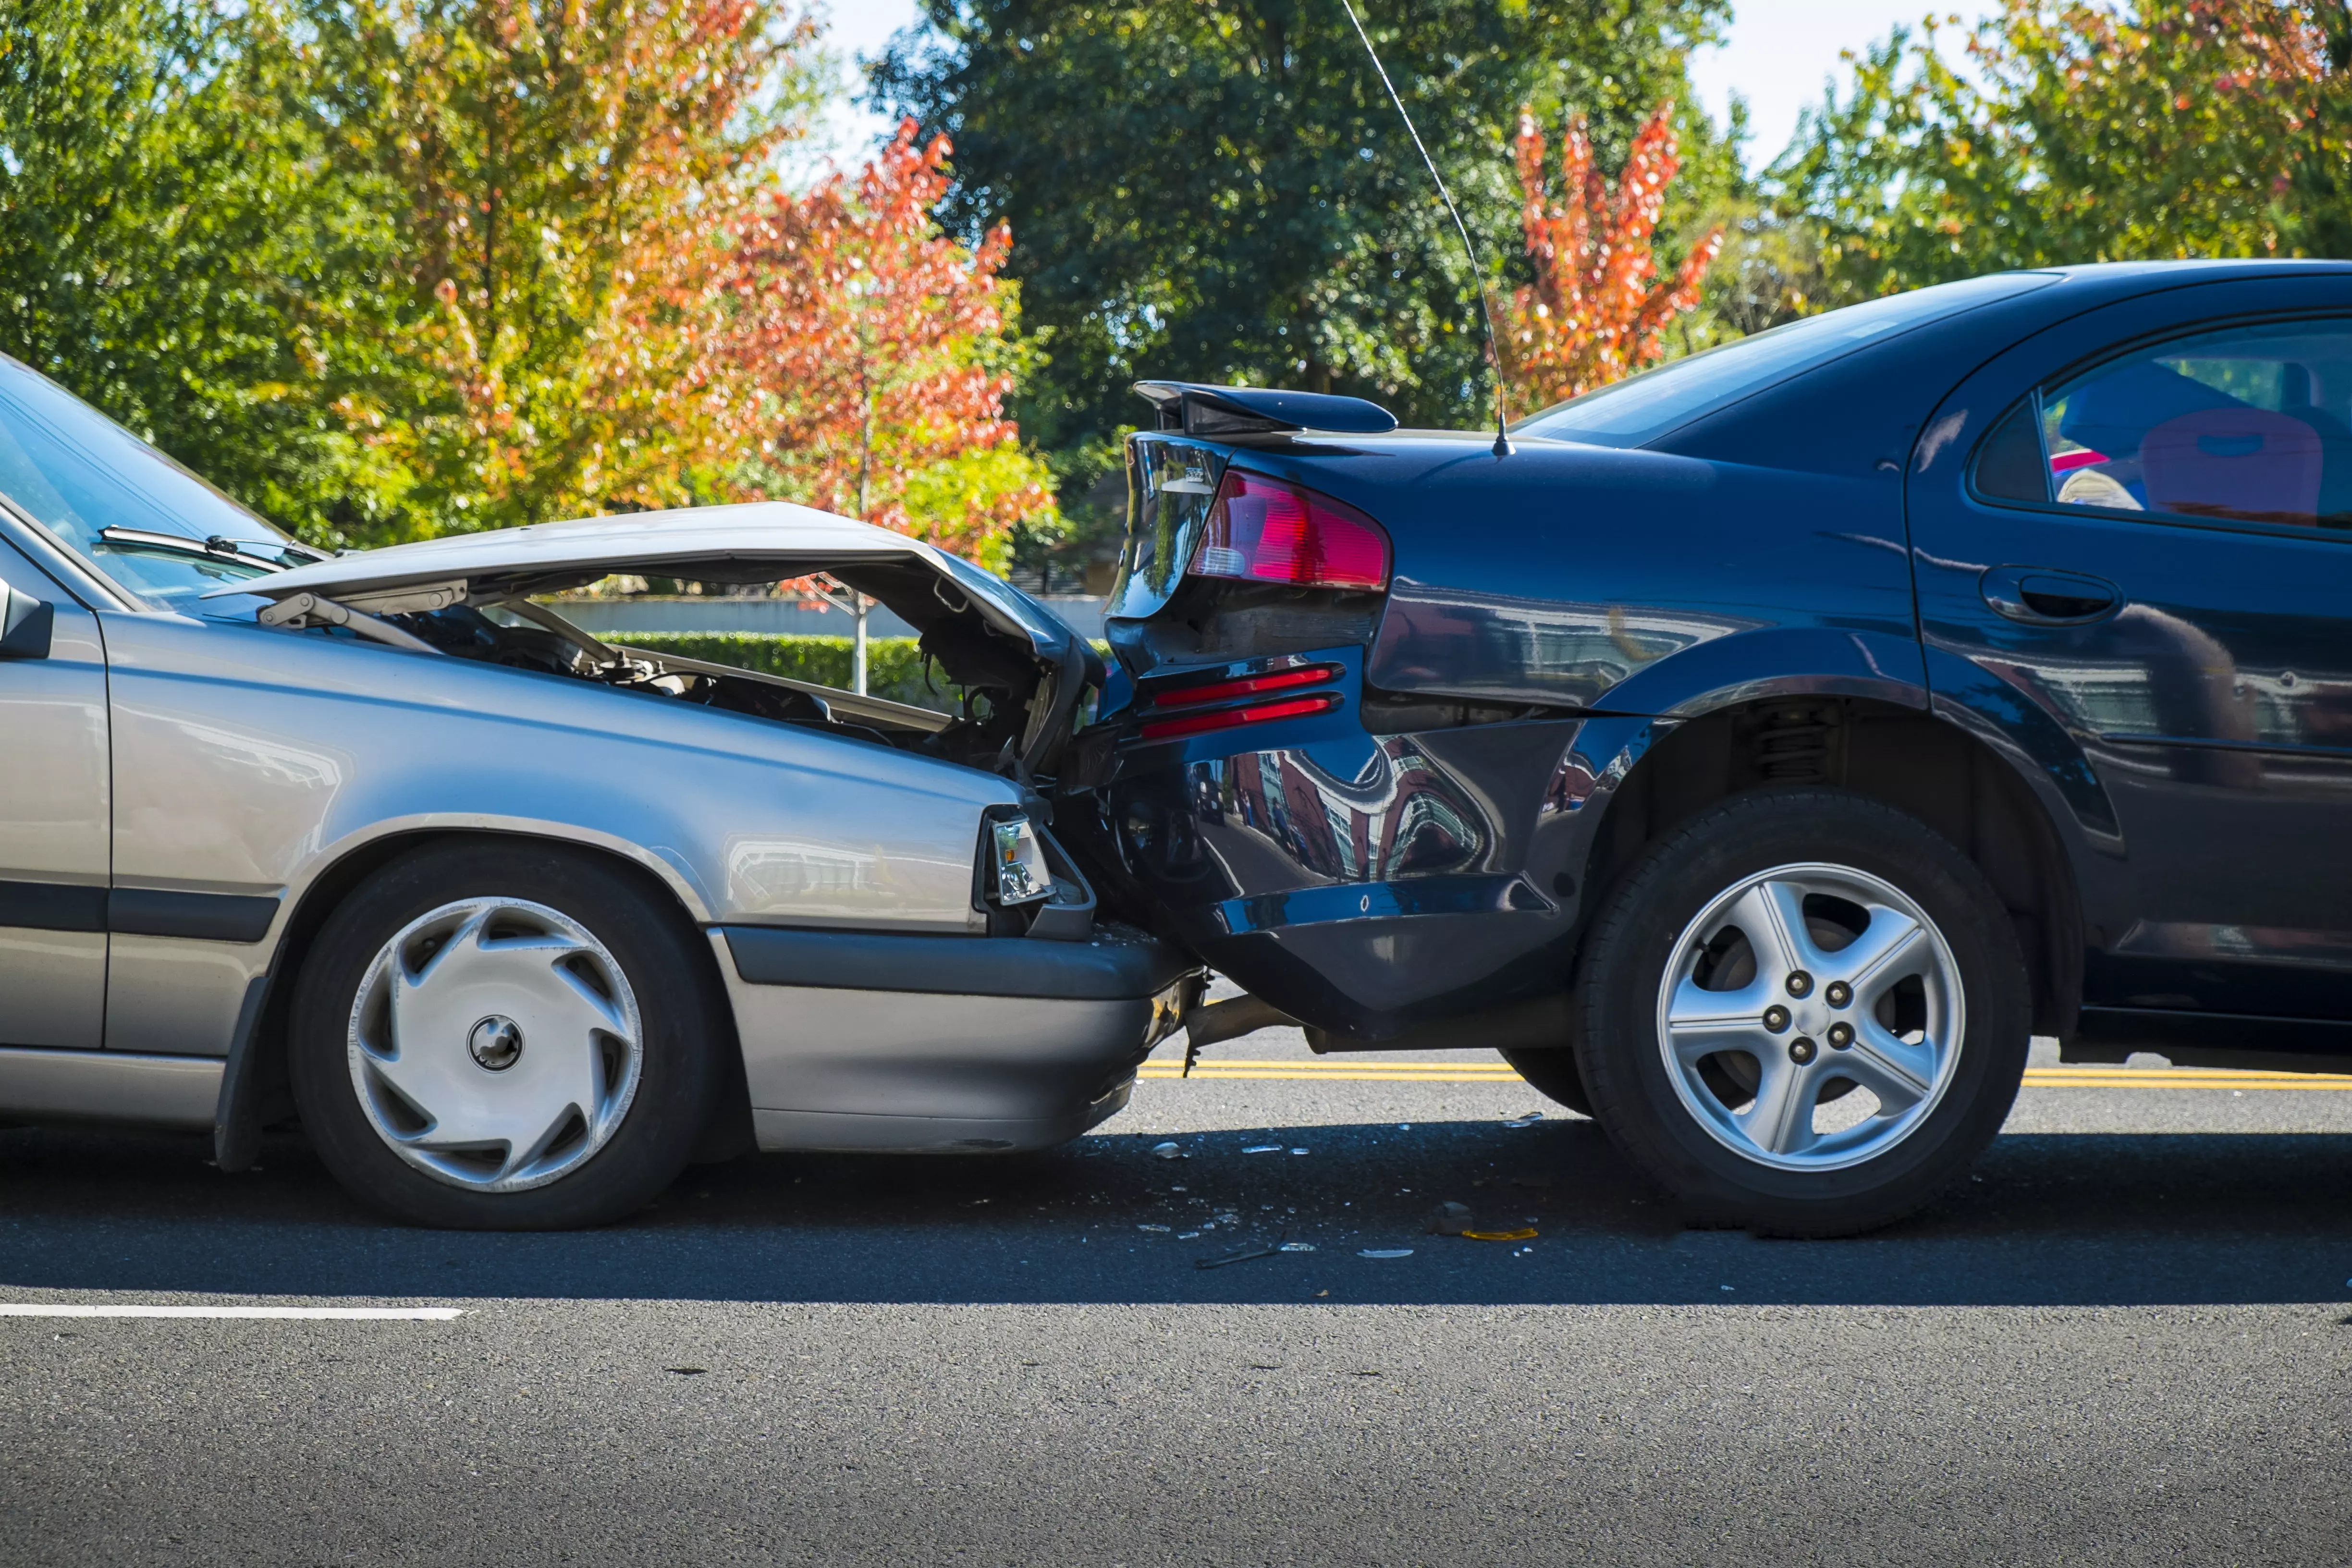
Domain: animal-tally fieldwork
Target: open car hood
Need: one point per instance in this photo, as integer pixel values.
(762, 541)
(987, 636)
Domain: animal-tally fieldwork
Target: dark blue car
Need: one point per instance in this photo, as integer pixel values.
(1761, 750)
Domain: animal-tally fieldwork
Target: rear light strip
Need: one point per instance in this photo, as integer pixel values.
(1247, 685)
(1233, 717)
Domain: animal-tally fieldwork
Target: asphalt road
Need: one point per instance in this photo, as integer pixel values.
(2125, 1340)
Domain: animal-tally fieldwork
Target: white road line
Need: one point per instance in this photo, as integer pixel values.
(113, 1310)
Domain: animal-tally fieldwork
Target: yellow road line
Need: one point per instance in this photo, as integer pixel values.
(1476, 1072)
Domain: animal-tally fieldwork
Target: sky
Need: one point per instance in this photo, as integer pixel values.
(1778, 55)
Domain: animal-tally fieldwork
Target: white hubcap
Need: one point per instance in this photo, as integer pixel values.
(1810, 1018)
(495, 1043)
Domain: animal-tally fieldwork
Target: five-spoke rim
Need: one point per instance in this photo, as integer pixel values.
(1794, 992)
(495, 1043)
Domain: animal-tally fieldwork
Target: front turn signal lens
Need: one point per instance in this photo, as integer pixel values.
(1017, 873)
(1262, 530)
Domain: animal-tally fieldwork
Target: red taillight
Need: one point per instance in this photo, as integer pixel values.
(1271, 530)
(1229, 718)
(1247, 685)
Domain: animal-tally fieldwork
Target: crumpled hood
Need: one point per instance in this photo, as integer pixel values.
(759, 542)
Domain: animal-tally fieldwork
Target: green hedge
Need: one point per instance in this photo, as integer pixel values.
(893, 667)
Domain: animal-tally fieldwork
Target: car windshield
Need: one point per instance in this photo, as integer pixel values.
(97, 488)
(1644, 407)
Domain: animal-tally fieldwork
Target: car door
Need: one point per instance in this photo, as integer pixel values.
(2140, 523)
(55, 816)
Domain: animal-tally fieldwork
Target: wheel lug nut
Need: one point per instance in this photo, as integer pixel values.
(1841, 1035)
(1800, 984)
(1839, 994)
(1802, 1050)
(1776, 1017)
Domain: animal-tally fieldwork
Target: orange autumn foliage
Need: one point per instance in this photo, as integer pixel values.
(874, 352)
(1596, 308)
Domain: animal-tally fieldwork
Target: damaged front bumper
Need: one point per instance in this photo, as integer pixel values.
(877, 1041)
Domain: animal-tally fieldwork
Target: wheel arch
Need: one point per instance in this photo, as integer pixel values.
(256, 1092)
(1913, 761)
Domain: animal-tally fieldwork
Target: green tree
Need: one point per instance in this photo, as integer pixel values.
(562, 176)
(1218, 190)
(176, 245)
(2180, 128)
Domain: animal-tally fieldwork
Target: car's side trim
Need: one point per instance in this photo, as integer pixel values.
(52, 906)
(110, 1086)
(136, 912)
(207, 917)
(1107, 969)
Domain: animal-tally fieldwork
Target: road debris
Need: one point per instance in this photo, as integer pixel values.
(1449, 1219)
(1264, 1149)
(1242, 1256)
(1167, 1151)
(1157, 1228)
(1527, 1234)
(1385, 1252)
(1529, 1120)
(1297, 1246)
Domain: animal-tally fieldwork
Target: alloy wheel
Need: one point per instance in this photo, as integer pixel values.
(1810, 1017)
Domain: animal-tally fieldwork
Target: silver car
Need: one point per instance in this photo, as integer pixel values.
(516, 922)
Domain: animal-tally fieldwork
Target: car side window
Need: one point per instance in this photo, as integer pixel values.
(2252, 424)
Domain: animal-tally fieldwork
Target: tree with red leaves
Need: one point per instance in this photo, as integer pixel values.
(876, 354)
(1597, 310)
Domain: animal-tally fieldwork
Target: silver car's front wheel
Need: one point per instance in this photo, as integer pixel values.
(495, 1043)
(501, 1035)
(1810, 1017)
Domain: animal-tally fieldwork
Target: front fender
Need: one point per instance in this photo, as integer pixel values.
(247, 760)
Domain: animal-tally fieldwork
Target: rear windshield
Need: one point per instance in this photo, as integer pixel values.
(86, 478)
(1644, 407)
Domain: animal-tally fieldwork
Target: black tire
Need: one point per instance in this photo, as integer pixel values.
(684, 1025)
(1634, 1092)
(1552, 1074)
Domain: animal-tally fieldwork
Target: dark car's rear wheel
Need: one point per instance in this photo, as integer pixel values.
(504, 1038)
(1552, 1074)
(1802, 1011)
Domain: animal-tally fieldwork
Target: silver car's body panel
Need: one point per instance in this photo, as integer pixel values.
(111, 1086)
(217, 772)
(53, 835)
(247, 760)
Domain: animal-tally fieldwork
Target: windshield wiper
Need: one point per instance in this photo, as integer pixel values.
(216, 548)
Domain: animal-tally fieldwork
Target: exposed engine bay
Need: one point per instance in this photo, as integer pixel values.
(989, 689)
(1009, 678)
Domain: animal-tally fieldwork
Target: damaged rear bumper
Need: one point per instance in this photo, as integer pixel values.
(859, 1040)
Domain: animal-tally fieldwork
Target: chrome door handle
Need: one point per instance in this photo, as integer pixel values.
(2044, 596)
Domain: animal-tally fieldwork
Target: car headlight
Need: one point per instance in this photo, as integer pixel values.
(1018, 873)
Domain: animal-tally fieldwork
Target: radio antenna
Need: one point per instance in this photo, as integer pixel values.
(1478, 274)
